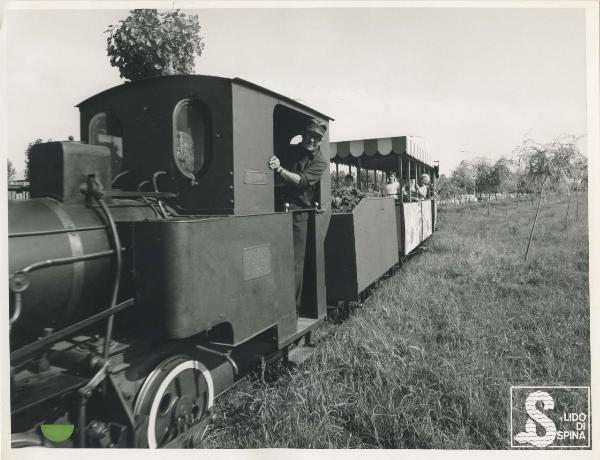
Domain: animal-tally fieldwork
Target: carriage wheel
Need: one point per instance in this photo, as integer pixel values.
(177, 397)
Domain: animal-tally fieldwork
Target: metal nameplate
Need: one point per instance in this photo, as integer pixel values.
(255, 177)
(257, 261)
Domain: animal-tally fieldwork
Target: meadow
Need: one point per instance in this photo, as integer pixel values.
(428, 359)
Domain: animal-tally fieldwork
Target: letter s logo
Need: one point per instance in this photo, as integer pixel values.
(530, 435)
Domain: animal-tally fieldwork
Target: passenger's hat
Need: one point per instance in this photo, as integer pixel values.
(317, 127)
(425, 178)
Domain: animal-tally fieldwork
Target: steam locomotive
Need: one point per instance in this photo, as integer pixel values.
(149, 270)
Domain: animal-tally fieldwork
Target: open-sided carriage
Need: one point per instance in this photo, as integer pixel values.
(365, 243)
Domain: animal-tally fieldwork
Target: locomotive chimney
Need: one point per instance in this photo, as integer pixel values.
(59, 169)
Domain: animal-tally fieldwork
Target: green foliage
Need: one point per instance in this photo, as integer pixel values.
(558, 163)
(501, 178)
(345, 199)
(150, 43)
(576, 173)
(523, 182)
(558, 160)
(10, 170)
(492, 178)
(464, 177)
(446, 187)
(483, 172)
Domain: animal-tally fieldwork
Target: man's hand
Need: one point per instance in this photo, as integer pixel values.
(287, 176)
(274, 163)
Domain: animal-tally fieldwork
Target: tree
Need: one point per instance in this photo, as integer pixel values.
(483, 172)
(553, 160)
(150, 43)
(576, 174)
(501, 177)
(446, 187)
(10, 171)
(464, 177)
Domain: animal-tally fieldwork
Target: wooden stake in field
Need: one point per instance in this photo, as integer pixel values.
(567, 216)
(535, 218)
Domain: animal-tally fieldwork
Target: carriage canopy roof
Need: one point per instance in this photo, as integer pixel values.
(380, 153)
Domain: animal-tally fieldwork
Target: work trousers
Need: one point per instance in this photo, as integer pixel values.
(300, 229)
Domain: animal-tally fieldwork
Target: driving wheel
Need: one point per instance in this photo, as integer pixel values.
(173, 406)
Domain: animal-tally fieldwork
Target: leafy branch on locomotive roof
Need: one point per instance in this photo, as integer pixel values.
(149, 43)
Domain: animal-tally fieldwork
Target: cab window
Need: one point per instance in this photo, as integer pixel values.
(106, 130)
(190, 138)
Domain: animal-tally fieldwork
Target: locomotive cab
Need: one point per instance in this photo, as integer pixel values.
(207, 141)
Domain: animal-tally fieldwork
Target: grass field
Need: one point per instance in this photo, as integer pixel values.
(428, 360)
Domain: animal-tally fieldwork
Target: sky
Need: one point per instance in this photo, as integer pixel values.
(470, 82)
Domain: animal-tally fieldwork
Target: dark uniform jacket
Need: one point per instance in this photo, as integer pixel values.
(309, 166)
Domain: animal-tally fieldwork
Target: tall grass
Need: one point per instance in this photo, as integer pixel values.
(428, 360)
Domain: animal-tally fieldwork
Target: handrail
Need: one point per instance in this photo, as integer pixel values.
(92, 190)
(57, 231)
(29, 350)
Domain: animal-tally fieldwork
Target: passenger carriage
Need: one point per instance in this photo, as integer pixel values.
(362, 245)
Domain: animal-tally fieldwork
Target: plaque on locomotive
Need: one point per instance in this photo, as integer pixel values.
(255, 177)
(257, 261)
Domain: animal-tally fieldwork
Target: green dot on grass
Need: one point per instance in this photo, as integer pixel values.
(57, 432)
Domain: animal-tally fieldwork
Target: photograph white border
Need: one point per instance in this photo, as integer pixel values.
(593, 149)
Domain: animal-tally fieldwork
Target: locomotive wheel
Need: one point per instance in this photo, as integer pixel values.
(176, 398)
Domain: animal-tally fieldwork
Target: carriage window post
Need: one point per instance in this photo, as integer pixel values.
(409, 178)
(432, 175)
(400, 177)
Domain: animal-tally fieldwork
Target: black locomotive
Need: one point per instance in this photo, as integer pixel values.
(149, 270)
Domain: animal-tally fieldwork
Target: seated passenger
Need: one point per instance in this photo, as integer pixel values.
(349, 181)
(409, 191)
(423, 187)
(392, 187)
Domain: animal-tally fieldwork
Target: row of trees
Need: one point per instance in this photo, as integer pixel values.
(534, 167)
(558, 165)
